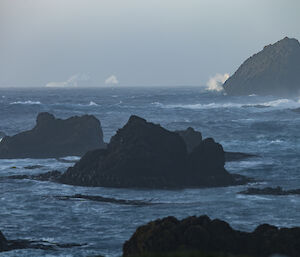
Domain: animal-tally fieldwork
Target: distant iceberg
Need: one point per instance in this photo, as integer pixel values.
(77, 80)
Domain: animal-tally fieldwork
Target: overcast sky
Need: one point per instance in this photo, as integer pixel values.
(140, 42)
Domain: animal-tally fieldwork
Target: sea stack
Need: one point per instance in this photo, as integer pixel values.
(145, 155)
(53, 138)
(273, 71)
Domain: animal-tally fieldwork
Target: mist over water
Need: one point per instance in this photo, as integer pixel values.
(266, 126)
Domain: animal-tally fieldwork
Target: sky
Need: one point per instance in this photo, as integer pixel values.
(135, 42)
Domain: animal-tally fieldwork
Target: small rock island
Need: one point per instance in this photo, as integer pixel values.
(54, 138)
(145, 155)
(273, 71)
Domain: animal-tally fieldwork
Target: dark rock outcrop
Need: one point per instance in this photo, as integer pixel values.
(216, 236)
(270, 191)
(48, 176)
(273, 71)
(52, 138)
(191, 137)
(145, 155)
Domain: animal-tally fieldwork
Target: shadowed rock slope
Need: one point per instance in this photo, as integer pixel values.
(53, 138)
(193, 138)
(145, 155)
(273, 71)
(216, 236)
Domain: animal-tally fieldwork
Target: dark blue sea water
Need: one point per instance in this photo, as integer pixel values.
(266, 126)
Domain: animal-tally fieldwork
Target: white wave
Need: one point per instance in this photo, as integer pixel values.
(26, 102)
(111, 80)
(277, 141)
(71, 158)
(279, 103)
(92, 103)
(198, 106)
(216, 82)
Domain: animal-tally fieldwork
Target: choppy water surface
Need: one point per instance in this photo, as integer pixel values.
(266, 126)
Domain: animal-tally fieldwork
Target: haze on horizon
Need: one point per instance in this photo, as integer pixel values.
(136, 43)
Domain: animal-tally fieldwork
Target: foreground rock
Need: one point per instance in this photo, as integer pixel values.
(273, 71)
(270, 191)
(216, 236)
(145, 155)
(53, 138)
(9, 245)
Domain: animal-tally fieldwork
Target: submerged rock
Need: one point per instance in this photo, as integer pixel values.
(33, 167)
(238, 156)
(272, 71)
(48, 176)
(53, 138)
(215, 236)
(270, 191)
(145, 155)
(102, 199)
(9, 245)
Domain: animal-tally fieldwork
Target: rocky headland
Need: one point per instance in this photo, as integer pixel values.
(211, 236)
(53, 138)
(272, 71)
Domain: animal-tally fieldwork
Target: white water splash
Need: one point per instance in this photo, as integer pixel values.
(216, 82)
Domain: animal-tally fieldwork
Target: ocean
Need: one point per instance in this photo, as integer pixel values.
(265, 126)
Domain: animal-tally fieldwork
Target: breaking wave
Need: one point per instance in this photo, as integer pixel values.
(26, 102)
(279, 103)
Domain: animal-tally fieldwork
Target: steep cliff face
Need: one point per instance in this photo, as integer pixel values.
(53, 137)
(273, 71)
